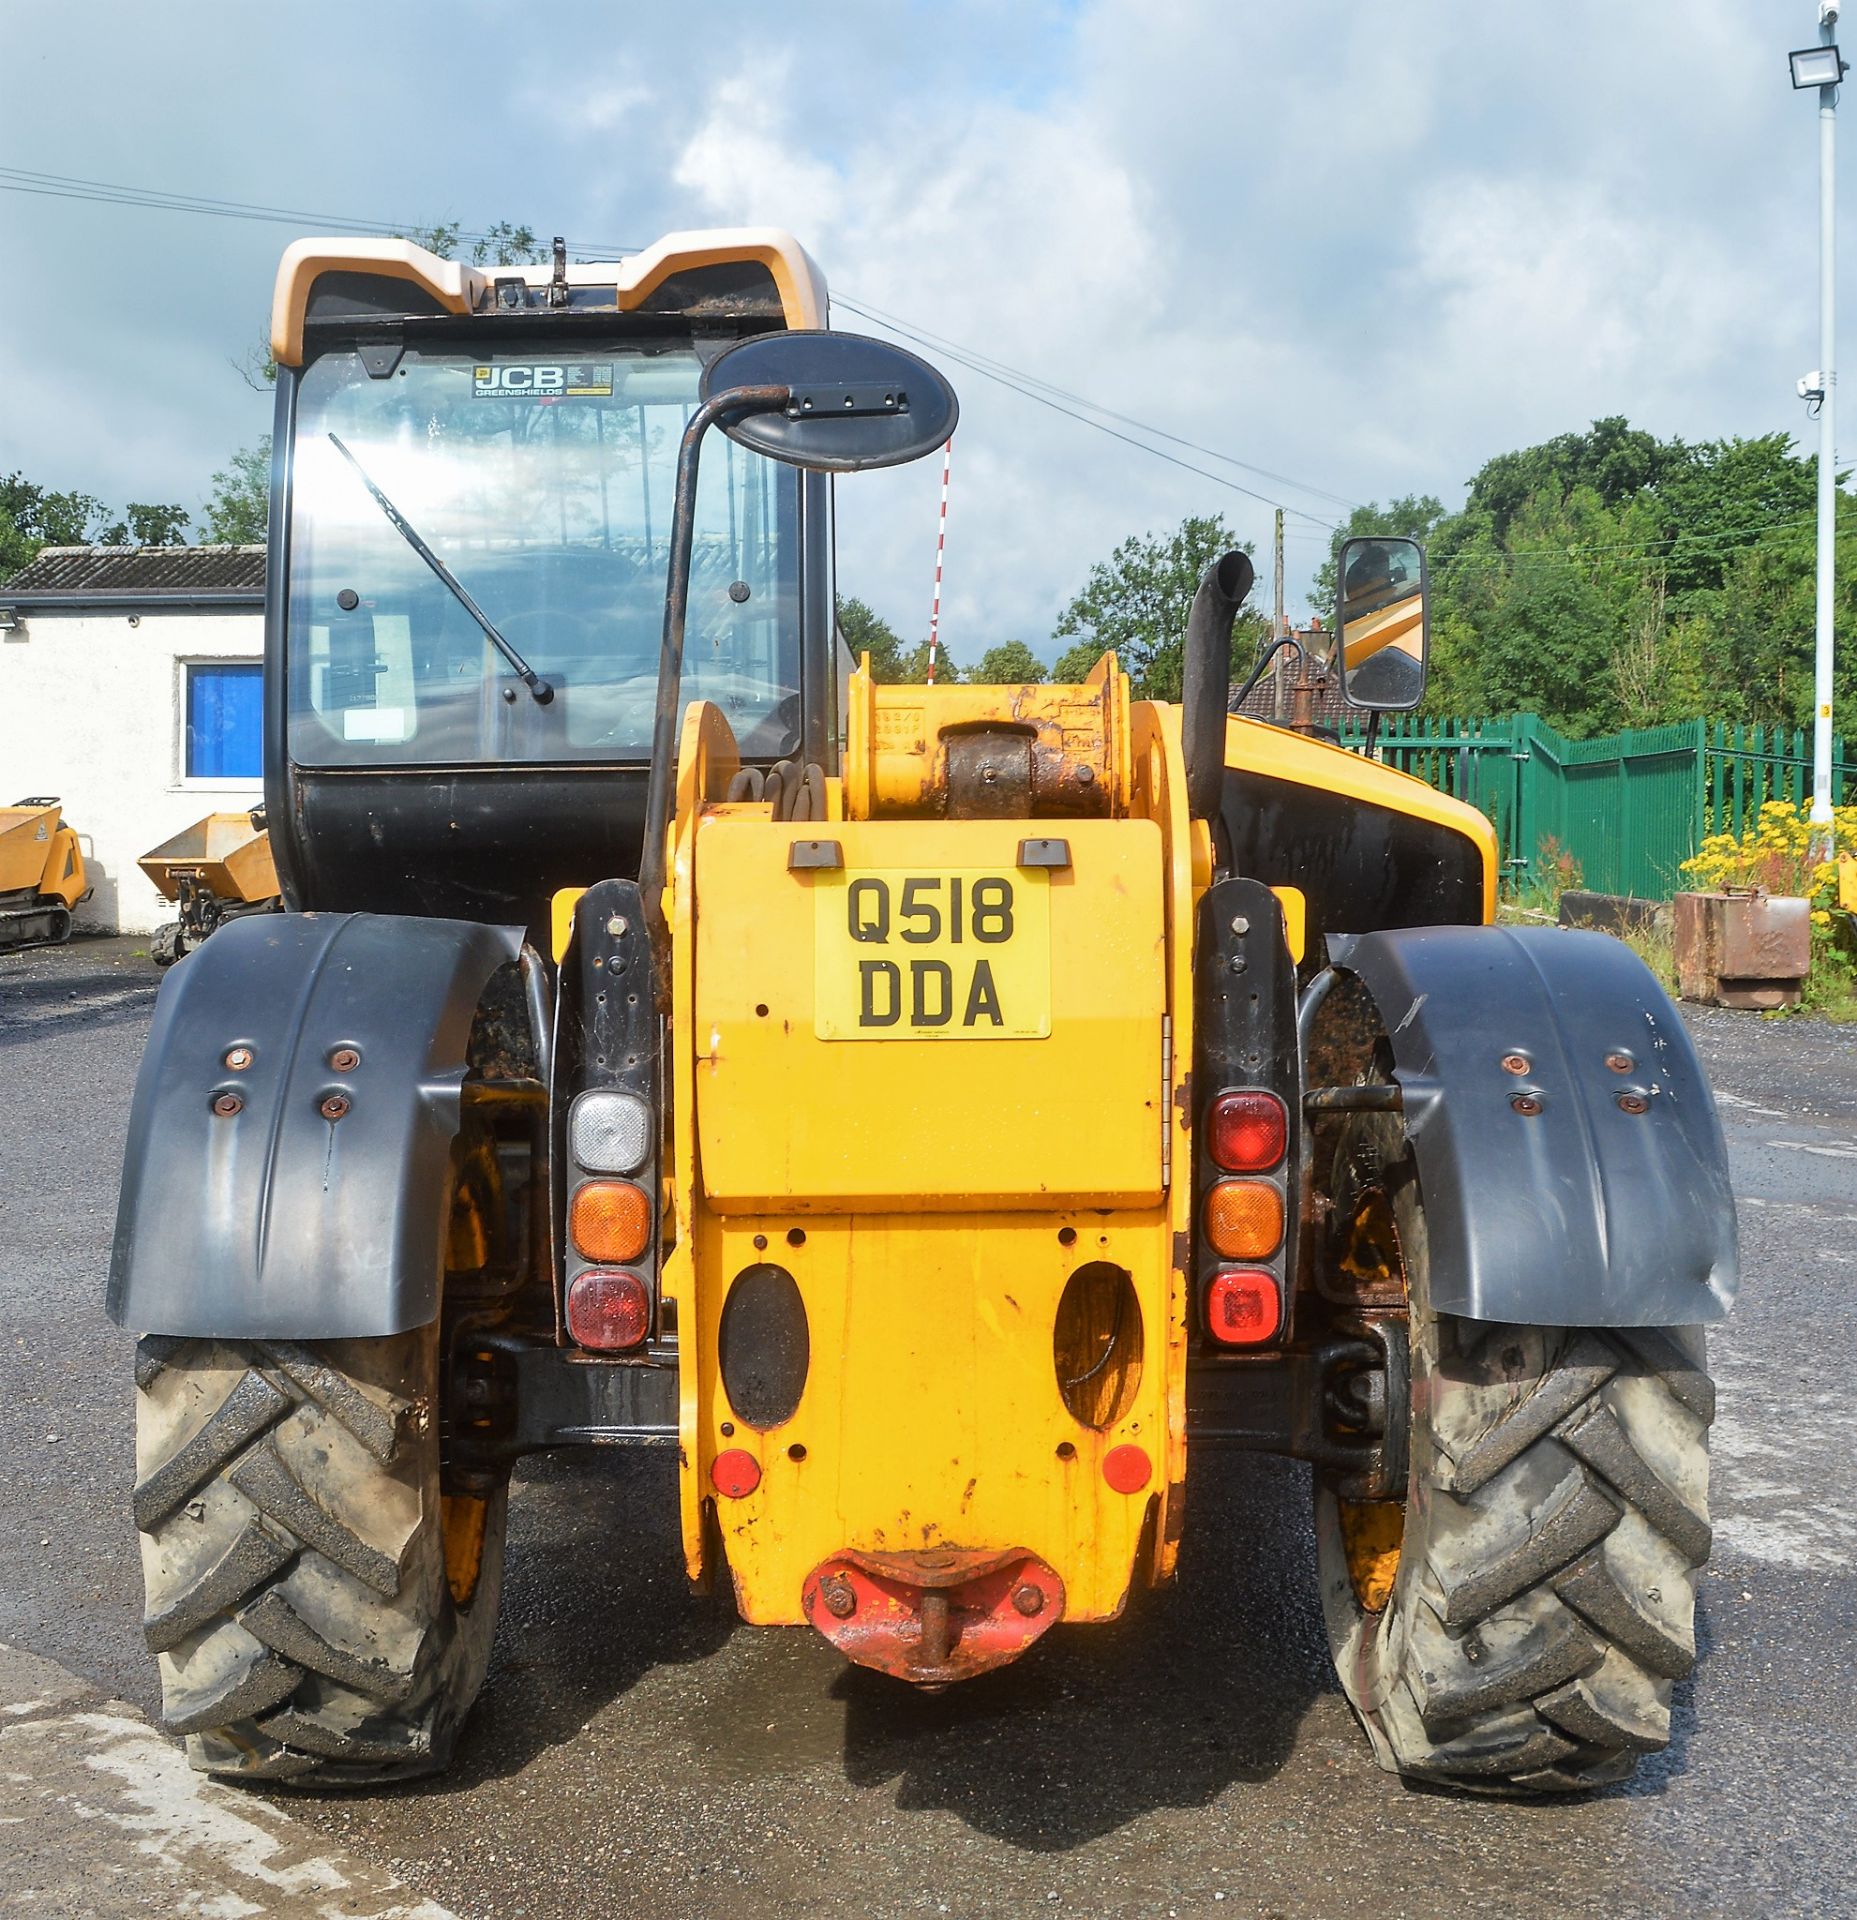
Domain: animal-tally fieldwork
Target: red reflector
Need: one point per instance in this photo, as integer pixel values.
(1247, 1131)
(608, 1311)
(1127, 1469)
(735, 1474)
(1243, 1307)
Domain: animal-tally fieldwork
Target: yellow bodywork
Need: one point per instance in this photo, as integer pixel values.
(39, 855)
(934, 1178)
(932, 1196)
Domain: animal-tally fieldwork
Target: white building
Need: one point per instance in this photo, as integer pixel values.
(130, 685)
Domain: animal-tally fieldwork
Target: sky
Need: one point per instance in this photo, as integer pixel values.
(1360, 249)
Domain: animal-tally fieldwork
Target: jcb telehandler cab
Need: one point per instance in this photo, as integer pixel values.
(943, 1116)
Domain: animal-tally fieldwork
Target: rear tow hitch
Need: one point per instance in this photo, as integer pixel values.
(936, 1616)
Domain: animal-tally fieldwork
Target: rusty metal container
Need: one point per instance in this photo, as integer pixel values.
(1742, 949)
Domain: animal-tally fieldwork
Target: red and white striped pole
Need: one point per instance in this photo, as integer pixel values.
(941, 544)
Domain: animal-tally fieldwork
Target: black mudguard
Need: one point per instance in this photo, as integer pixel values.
(273, 1221)
(1549, 1201)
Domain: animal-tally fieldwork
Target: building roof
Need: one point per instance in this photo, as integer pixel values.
(1327, 707)
(83, 576)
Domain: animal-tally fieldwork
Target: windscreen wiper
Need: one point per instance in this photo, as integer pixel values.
(542, 691)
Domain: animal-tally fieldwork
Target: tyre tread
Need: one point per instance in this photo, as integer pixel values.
(273, 1489)
(265, 1602)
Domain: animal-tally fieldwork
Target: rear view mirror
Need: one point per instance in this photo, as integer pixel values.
(1382, 629)
(856, 402)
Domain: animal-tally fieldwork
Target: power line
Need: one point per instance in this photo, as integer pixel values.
(1003, 369)
(1217, 479)
(115, 193)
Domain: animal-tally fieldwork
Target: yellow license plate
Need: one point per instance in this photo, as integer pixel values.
(961, 953)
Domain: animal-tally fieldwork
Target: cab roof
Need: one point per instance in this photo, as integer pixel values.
(723, 272)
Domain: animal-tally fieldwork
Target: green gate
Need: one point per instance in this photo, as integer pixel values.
(1628, 808)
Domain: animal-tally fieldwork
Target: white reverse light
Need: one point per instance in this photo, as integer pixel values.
(609, 1132)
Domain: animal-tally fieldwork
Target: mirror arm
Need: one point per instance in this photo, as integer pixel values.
(661, 775)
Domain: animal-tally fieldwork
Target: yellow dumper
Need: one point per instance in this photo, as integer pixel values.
(218, 869)
(42, 874)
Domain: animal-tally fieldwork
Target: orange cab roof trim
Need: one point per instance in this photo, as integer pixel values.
(458, 288)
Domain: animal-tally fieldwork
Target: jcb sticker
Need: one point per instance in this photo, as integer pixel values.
(963, 955)
(544, 380)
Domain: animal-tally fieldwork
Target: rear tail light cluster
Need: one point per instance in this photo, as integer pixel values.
(608, 1049)
(611, 1223)
(1244, 1216)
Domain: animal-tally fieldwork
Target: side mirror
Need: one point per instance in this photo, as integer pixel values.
(855, 403)
(1382, 627)
(830, 402)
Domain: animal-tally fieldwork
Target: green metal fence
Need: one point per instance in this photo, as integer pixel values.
(1749, 766)
(1628, 809)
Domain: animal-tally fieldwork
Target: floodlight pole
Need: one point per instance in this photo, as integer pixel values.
(1827, 448)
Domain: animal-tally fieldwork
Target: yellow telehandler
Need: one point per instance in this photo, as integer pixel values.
(946, 1119)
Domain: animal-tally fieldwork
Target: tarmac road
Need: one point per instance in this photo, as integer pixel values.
(636, 1753)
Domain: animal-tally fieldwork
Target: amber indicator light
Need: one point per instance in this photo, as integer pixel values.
(1244, 1219)
(609, 1220)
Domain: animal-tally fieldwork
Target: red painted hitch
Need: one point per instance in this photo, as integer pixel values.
(936, 1616)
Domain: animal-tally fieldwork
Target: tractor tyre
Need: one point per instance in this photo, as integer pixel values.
(1517, 1623)
(321, 1607)
(167, 945)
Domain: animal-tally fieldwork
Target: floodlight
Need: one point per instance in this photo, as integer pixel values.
(1816, 67)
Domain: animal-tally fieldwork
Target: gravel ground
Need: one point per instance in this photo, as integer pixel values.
(636, 1752)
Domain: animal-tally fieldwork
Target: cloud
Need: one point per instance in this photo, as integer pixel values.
(1365, 257)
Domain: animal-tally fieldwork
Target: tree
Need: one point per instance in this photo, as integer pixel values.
(502, 244)
(1415, 517)
(891, 663)
(143, 525)
(1010, 664)
(867, 632)
(914, 668)
(32, 517)
(1614, 459)
(239, 510)
(1609, 579)
(1137, 602)
(1072, 666)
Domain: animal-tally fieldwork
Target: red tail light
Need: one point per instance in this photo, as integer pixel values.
(608, 1311)
(1247, 1131)
(1244, 1307)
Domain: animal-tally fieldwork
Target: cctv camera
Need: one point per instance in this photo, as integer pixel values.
(1810, 386)
(1827, 13)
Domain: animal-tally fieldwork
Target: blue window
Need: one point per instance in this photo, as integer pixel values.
(225, 728)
